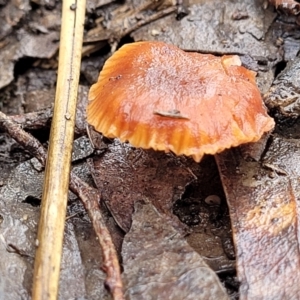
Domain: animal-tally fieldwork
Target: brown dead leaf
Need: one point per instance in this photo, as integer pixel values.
(39, 46)
(19, 213)
(159, 263)
(124, 174)
(264, 212)
(284, 94)
(8, 55)
(209, 27)
(11, 14)
(273, 217)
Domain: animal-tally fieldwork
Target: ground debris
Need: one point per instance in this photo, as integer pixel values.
(209, 27)
(159, 263)
(263, 228)
(28, 46)
(125, 174)
(39, 112)
(118, 21)
(18, 228)
(22, 192)
(264, 213)
(11, 14)
(284, 95)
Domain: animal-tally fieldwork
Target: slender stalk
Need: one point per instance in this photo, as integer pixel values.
(57, 173)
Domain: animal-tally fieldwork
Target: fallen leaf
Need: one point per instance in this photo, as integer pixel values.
(284, 94)
(223, 34)
(124, 174)
(40, 46)
(159, 263)
(265, 218)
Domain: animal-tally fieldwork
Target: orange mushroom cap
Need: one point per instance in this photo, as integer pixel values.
(155, 95)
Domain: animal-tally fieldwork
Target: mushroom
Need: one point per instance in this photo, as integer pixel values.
(155, 95)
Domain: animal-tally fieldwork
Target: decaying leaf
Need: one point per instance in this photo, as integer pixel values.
(124, 175)
(44, 46)
(40, 46)
(124, 19)
(17, 241)
(159, 263)
(8, 55)
(223, 33)
(81, 276)
(264, 213)
(284, 94)
(11, 14)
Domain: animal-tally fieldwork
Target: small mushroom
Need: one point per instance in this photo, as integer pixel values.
(155, 95)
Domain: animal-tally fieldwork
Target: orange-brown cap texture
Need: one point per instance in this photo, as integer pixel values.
(155, 95)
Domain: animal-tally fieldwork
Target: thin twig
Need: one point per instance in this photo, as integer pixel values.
(34, 120)
(90, 198)
(152, 18)
(38, 120)
(88, 195)
(23, 138)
